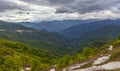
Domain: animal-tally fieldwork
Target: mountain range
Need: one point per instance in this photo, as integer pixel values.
(75, 31)
(54, 26)
(87, 32)
(48, 41)
(41, 49)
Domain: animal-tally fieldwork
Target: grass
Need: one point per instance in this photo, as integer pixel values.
(86, 65)
(115, 54)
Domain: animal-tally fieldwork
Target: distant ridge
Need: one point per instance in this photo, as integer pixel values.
(54, 26)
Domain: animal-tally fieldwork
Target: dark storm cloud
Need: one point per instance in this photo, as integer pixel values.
(80, 6)
(7, 5)
(50, 2)
(63, 10)
(4, 5)
(64, 6)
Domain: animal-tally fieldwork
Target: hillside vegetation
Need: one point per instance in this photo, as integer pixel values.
(15, 56)
(39, 50)
(48, 41)
(95, 33)
(86, 59)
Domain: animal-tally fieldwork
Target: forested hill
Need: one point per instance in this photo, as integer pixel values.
(78, 30)
(60, 43)
(95, 33)
(104, 58)
(12, 26)
(97, 37)
(48, 41)
(16, 56)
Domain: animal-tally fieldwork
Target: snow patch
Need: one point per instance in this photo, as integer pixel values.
(52, 69)
(111, 65)
(110, 48)
(76, 66)
(101, 60)
(108, 66)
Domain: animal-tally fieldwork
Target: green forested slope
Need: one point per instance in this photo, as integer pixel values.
(89, 55)
(97, 37)
(48, 41)
(15, 56)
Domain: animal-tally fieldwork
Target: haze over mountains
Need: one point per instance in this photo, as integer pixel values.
(71, 34)
(54, 26)
(42, 39)
(82, 32)
(76, 35)
(59, 42)
(75, 31)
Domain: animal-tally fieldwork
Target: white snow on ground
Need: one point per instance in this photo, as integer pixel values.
(111, 65)
(108, 66)
(110, 48)
(101, 60)
(52, 69)
(69, 68)
(77, 66)
(93, 68)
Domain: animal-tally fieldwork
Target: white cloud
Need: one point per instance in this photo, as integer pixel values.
(35, 12)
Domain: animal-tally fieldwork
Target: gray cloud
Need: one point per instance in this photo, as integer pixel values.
(63, 10)
(50, 2)
(64, 6)
(81, 6)
(4, 5)
(58, 9)
(92, 5)
(7, 5)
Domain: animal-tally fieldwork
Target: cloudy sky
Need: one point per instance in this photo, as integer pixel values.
(44, 10)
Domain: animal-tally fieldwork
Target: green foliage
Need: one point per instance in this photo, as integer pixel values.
(88, 52)
(84, 55)
(1, 60)
(14, 56)
(97, 37)
(86, 65)
(115, 53)
(64, 61)
(48, 41)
